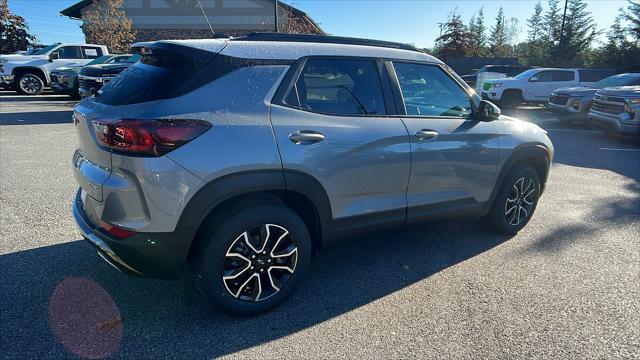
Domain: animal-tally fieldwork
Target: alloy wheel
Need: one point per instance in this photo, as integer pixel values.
(259, 262)
(520, 201)
(30, 84)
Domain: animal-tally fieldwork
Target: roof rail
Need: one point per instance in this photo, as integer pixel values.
(266, 36)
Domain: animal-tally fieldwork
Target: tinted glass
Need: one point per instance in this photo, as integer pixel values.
(428, 91)
(526, 74)
(564, 76)
(341, 87)
(91, 52)
(100, 60)
(616, 80)
(155, 77)
(544, 76)
(44, 50)
(70, 52)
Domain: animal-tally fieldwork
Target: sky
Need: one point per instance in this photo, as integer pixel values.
(407, 21)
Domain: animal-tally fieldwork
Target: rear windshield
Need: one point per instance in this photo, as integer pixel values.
(156, 76)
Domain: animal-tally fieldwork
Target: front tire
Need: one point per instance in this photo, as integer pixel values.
(515, 202)
(511, 99)
(29, 84)
(253, 260)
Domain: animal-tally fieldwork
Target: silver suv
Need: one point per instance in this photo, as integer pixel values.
(242, 157)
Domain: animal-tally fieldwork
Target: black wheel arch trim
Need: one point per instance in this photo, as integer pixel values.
(43, 75)
(523, 154)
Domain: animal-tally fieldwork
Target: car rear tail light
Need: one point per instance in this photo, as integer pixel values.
(116, 231)
(147, 137)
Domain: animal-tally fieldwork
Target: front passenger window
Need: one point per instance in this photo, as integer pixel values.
(428, 91)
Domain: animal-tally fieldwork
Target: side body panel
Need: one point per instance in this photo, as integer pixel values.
(363, 163)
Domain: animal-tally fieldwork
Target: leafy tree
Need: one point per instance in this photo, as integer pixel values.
(499, 42)
(633, 16)
(106, 23)
(478, 30)
(14, 32)
(455, 41)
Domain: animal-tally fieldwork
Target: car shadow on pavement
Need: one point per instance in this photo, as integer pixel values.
(36, 118)
(63, 299)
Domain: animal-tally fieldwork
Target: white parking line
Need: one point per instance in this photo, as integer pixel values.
(614, 149)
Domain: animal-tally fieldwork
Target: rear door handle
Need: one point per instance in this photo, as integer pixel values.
(304, 137)
(426, 134)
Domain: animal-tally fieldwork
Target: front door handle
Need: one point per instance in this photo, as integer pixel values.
(426, 134)
(304, 137)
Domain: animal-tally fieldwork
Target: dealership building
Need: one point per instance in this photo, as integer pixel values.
(185, 19)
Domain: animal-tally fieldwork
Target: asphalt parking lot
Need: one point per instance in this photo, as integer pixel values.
(567, 286)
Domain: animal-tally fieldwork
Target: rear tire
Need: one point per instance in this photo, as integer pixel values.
(29, 84)
(253, 260)
(515, 202)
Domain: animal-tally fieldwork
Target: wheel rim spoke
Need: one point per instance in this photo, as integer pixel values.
(520, 201)
(259, 262)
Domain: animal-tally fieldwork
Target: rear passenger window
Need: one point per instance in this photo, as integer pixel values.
(70, 52)
(339, 87)
(91, 52)
(428, 91)
(563, 76)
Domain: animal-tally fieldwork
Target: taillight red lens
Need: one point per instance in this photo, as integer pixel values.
(147, 137)
(116, 231)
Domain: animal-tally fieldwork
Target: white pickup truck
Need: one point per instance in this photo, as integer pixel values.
(29, 74)
(536, 85)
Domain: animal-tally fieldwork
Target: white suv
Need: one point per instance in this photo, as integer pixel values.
(29, 74)
(536, 85)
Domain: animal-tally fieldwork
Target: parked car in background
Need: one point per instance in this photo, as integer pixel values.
(64, 80)
(92, 78)
(536, 85)
(507, 70)
(242, 161)
(617, 110)
(29, 74)
(574, 103)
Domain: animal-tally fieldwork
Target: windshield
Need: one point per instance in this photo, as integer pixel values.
(134, 58)
(99, 60)
(615, 80)
(527, 74)
(44, 50)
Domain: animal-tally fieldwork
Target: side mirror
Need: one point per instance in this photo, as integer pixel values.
(54, 56)
(533, 79)
(487, 111)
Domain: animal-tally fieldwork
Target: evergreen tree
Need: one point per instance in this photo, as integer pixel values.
(478, 30)
(498, 40)
(534, 49)
(536, 24)
(575, 41)
(633, 16)
(14, 32)
(455, 41)
(552, 22)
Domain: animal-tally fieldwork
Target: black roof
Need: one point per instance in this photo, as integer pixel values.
(265, 36)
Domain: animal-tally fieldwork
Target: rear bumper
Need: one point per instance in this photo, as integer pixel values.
(153, 255)
(612, 123)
